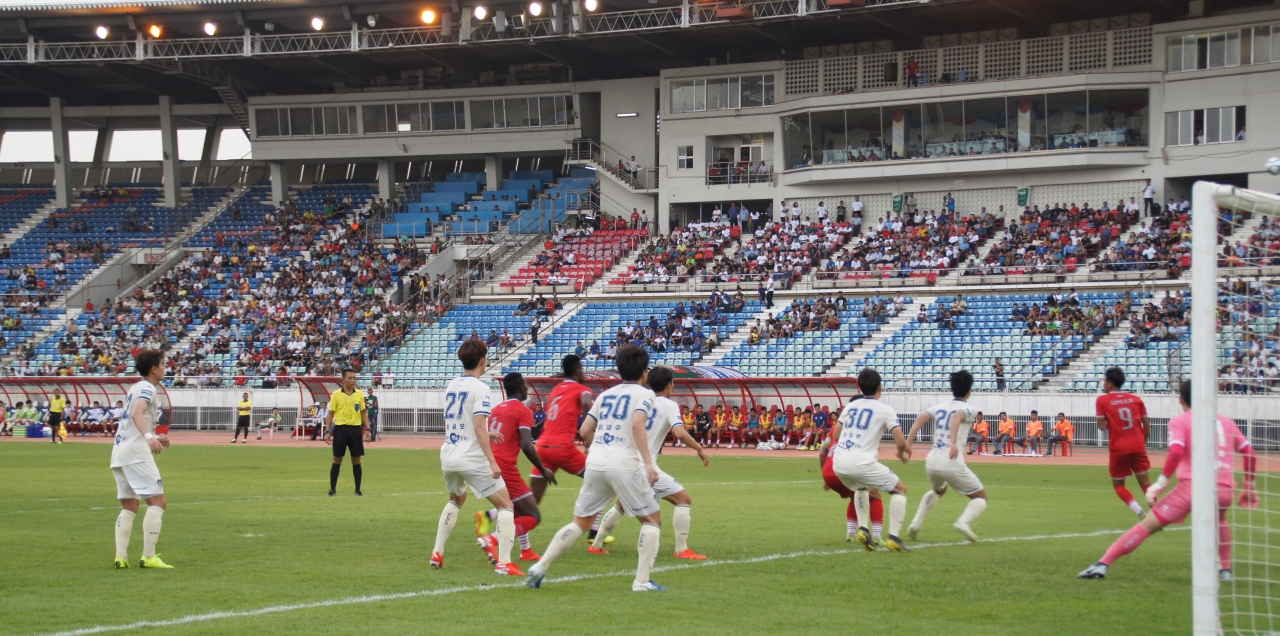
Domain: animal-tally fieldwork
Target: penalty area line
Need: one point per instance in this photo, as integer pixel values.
(395, 596)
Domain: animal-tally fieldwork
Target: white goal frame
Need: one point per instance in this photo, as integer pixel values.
(1206, 198)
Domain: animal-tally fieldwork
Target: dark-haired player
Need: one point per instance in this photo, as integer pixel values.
(510, 432)
(664, 418)
(945, 466)
(565, 406)
(134, 465)
(1124, 417)
(830, 481)
(857, 458)
(619, 466)
(346, 421)
(467, 461)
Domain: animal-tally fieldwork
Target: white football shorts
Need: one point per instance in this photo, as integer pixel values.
(138, 481)
(600, 487)
(477, 477)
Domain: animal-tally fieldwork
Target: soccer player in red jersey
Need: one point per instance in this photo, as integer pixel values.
(832, 482)
(1124, 417)
(566, 405)
(510, 432)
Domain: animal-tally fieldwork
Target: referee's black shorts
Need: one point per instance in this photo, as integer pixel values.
(54, 420)
(347, 437)
(242, 421)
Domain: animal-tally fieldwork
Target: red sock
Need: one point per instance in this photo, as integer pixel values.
(851, 514)
(877, 511)
(1128, 542)
(1124, 494)
(525, 524)
(1224, 544)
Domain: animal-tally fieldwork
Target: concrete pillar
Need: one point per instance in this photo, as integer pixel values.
(386, 180)
(169, 158)
(278, 185)
(492, 172)
(61, 160)
(207, 153)
(100, 148)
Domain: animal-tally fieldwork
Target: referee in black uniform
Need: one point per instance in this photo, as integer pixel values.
(347, 420)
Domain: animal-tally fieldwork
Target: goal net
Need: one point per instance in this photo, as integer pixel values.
(1233, 371)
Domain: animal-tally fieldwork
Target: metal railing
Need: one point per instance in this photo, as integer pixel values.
(612, 161)
(740, 172)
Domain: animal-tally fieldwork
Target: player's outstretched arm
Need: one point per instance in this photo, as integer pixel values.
(824, 451)
(531, 452)
(904, 447)
(921, 420)
(139, 418)
(1102, 423)
(688, 440)
(1248, 493)
(1146, 427)
(638, 420)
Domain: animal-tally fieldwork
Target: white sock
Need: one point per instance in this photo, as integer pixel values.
(506, 534)
(493, 514)
(897, 512)
(851, 527)
(971, 511)
(1135, 507)
(926, 504)
(648, 548)
(861, 506)
(524, 542)
(681, 524)
(606, 525)
(561, 541)
(876, 527)
(151, 530)
(595, 524)
(448, 517)
(124, 531)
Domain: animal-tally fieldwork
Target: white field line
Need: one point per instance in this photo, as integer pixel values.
(422, 494)
(379, 598)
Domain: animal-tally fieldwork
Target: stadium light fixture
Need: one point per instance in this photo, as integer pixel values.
(102, 32)
(428, 16)
(155, 30)
(371, 20)
(317, 23)
(269, 26)
(481, 12)
(210, 28)
(590, 5)
(535, 9)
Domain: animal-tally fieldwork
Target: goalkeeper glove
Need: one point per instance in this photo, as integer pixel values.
(1154, 490)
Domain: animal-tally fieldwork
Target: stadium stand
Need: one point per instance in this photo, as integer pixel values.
(432, 350)
(577, 259)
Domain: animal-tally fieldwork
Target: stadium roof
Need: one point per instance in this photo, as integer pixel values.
(639, 52)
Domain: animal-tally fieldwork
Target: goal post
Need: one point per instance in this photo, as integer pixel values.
(1207, 199)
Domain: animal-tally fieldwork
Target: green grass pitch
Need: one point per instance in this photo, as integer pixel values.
(250, 528)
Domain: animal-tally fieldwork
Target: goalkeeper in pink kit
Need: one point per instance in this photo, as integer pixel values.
(1175, 506)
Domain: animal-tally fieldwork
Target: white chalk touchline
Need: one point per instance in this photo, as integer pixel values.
(378, 598)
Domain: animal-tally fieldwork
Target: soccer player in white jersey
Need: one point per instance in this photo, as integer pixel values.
(619, 465)
(945, 466)
(467, 460)
(665, 417)
(134, 465)
(857, 454)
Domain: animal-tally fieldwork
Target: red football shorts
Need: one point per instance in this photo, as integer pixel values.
(516, 486)
(566, 458)
(1125, 464)
(832, 481)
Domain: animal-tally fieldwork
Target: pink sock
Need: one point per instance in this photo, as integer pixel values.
(1128, 542)
(1224, 544)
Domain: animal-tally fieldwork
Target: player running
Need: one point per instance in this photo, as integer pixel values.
(569, 400)
(510, 432)
(831, 482)
(945, 465)
(466, 459)
(619, 466)
(1175, 506)
(1124, 417)
(857, 455)
(133, 463)
(664, 418)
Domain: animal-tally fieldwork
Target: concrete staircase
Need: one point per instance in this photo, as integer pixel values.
(598, 288)
(1075, 368)
(848, 364)
(30, 223)
(740, 336)
(572, 307)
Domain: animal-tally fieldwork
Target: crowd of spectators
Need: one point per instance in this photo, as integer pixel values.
(1163, 321)
(1253, 360)
(1053, 240)
(914, 242)
(820, 314)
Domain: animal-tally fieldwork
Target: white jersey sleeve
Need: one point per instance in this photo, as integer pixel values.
(130, 445)
(664, 417)
(864, 423)
(613, 447)
(942, 415)
(465, 399)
